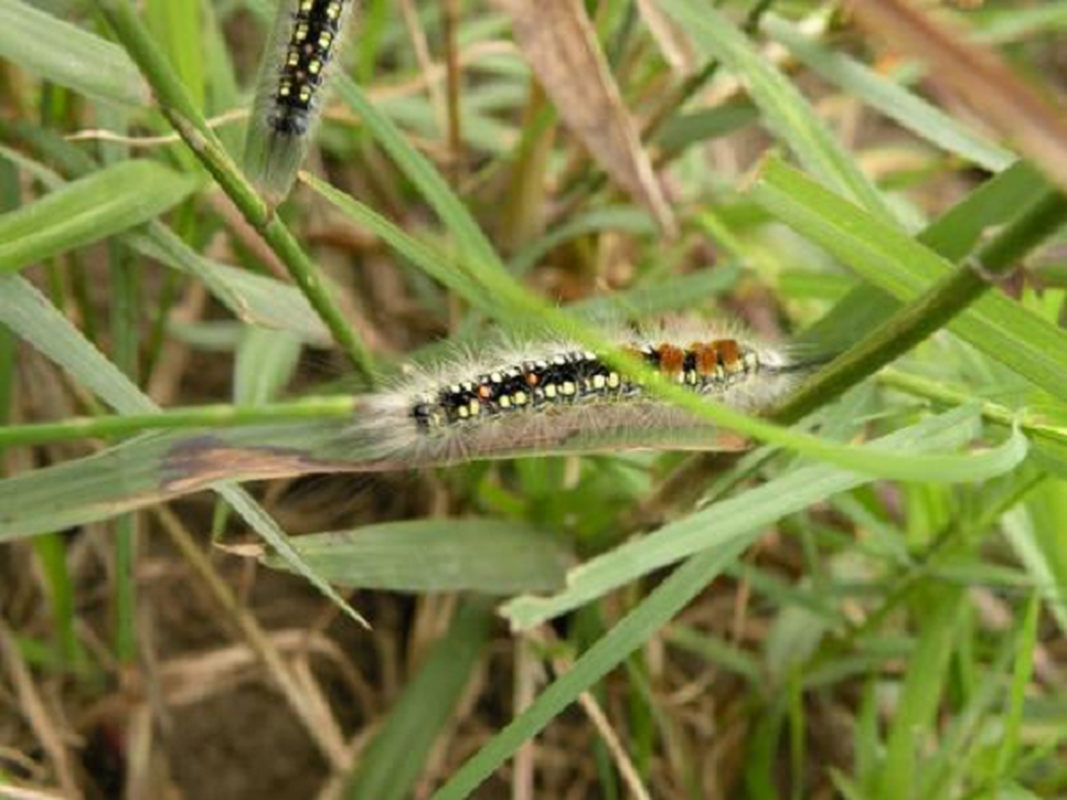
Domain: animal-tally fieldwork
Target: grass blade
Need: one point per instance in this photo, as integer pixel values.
(1002, 328)
(738, 520)
(398, 753)
(68, 55)
(88, 210)
(439, 555)
(896, 102)
(785, 111)
(39, 323)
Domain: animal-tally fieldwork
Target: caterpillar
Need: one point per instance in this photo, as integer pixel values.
(557, 396)
(303, 45)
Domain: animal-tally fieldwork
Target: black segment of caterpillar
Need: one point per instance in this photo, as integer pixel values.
(574, 376)
(316, 26)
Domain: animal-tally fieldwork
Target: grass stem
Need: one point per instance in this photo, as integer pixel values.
(187, 120)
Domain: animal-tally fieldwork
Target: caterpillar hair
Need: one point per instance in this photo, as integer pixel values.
(293, 78)
(555, 396)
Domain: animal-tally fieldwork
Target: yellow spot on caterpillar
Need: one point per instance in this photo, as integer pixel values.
(550, 391)
(315, 66)
(476, 408)
(599, 382)
(613, 380)
(568, 388)
(464, 412)
(520, 398)
(505, 402)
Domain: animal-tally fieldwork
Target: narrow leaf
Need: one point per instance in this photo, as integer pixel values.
(67, 55)
(439, 555)
(88, 210)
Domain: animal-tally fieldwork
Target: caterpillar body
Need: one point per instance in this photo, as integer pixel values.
(305, 41)
(560, 397)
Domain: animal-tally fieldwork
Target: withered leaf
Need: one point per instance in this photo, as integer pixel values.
(558, 40)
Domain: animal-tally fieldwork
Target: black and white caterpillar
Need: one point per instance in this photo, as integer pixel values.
(542, 397)
(303, 45)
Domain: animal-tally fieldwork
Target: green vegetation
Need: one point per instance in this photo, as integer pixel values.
(868, 603)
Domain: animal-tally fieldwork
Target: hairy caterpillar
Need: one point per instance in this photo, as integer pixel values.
(303, 45)
(556, 396)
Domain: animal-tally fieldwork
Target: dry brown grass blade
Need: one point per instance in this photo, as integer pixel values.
(558, 40)
(37, 715)
(671, 39)
(294, 685)
(1035, 123)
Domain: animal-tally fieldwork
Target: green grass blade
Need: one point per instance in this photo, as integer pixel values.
(152, 469)
(33, 318)
(896, 102)
(917, 707)
(739, 519)
(68, 55)
(256, 299)
(88, 210)
(1002, 328)
(179, 29)
(266, 361)
(397, 756)
(785, 111)
(433, 187)
(439, 555)
(30, 314)
(1036, 535)
(663, 603)
(953, 235)
(1021, 675)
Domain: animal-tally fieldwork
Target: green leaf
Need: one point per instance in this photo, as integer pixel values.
(918, 704)
(1000, 327)
(69, 56)
(1021, 675)
(439, 555)
(179, 29)
(1036, 534)
(397, 756)
(266, 361)
(785, 111)
(896, 102)
(34, 319)
(953, 235)
(88, 210)
(434, 188)
(255, 299)
(738, 520)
